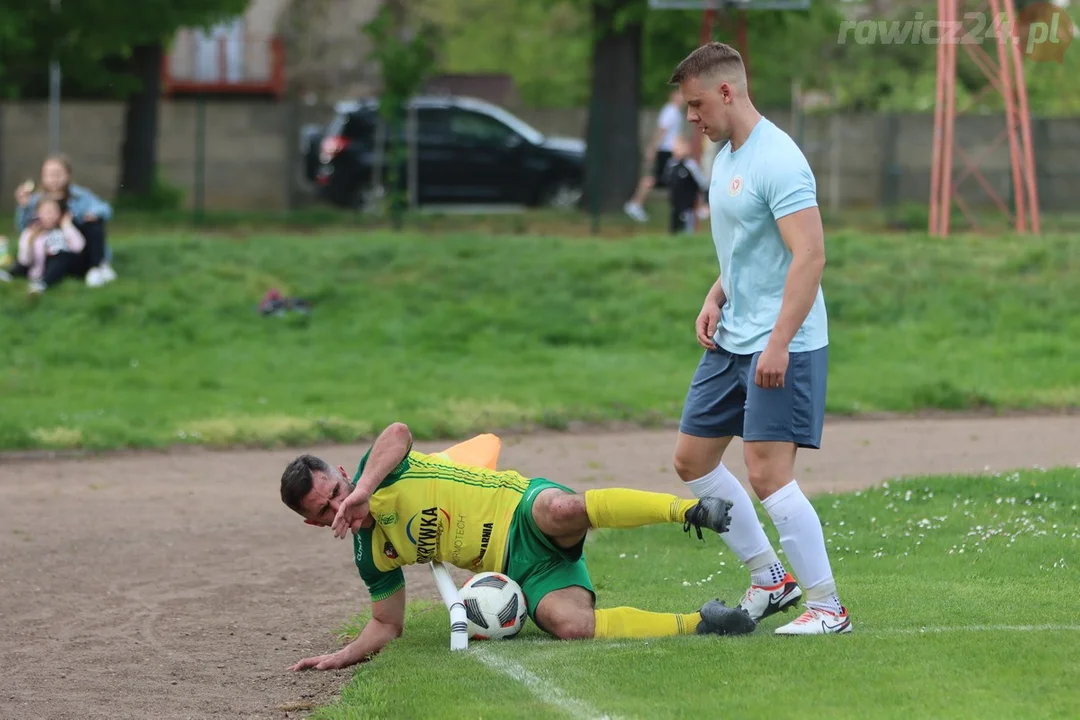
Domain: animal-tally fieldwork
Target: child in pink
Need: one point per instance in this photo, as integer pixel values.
(49, 247)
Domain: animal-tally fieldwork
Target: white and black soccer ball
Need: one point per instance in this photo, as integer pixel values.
(494, 605)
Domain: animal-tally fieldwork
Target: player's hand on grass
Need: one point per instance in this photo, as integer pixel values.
(706, 324)
(322, 662)
(772, 365)
(352, 513)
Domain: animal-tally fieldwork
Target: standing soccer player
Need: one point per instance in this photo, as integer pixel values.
(668, 127)
(764, 329)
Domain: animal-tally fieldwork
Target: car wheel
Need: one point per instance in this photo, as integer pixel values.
(562, 195)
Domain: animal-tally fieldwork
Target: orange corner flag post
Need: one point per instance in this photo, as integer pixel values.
(480, 451)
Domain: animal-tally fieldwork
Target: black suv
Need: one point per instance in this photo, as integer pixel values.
(467, 151)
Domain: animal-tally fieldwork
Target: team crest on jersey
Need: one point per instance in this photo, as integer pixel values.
(736, 186)
(390, 551)
(386, 518)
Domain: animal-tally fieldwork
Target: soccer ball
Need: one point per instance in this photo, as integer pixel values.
(494, 605)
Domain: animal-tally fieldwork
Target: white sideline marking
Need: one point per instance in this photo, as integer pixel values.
(543, 690)
(556, 697)
(607, 645)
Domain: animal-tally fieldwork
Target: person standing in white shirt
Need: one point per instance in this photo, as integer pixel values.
(668, 128)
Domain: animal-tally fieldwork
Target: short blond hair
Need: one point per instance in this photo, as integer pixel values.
(716, 58)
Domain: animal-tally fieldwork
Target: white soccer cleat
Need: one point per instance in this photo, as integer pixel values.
(94, 278)
(107, 273)
(817, 622)
(761, 602)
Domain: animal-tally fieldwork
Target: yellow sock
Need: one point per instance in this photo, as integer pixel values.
(627, 622)
(620, 508)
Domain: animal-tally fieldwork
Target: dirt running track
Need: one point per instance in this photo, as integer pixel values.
(177, 585)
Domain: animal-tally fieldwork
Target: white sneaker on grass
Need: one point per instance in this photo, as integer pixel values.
(635, 211)
(817, 622)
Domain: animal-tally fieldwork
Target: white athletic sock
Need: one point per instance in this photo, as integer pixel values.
(803, 541)
(745, 536)
(768, 576)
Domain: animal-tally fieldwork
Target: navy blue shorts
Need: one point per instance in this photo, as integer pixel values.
(723, 400)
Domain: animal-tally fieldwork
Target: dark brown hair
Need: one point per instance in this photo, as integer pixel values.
(296, 480)
(716, 57)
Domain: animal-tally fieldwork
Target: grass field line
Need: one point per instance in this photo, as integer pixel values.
(599, 646)
(543, 689)
(971, 629)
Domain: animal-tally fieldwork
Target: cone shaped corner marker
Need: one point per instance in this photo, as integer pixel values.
(480, 451)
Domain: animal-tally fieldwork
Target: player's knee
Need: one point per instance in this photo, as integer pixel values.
(687, 467)
(696, 460)
(766, 472)
(576, 625)
(559, 513)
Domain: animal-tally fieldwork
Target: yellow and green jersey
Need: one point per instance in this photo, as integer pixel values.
(431, 509)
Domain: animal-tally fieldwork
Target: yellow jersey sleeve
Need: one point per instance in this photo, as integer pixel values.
(381, 584)
(430, 509)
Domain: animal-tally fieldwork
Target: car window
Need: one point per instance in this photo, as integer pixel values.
(432, 124)
(477, 128)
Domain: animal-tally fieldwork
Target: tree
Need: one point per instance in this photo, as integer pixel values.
(406, 50)
(13, 39)
(613, 154)
(545, 45)
(114, 47)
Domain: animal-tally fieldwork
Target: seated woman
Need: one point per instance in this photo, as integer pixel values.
(50, 248)
(89, 214)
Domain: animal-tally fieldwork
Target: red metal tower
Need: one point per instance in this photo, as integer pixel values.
(1006, 76)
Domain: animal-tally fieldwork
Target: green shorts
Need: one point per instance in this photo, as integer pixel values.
(533, 561)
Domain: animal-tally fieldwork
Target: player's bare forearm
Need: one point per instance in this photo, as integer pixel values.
(803, 234)
(716, 294)
(388, 450)
(386, 624)
(374, 637)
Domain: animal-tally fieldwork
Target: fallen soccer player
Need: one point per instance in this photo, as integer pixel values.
(405, 507)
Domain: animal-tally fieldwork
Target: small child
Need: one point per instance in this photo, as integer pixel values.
(49, 247)
(686, 181)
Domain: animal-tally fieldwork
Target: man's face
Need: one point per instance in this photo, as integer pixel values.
(708, 105)
(322, 501)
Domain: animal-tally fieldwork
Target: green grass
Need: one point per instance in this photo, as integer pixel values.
(926, 566)
(456, 333)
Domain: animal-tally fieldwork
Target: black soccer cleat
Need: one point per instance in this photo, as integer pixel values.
(711, 512)
(718, 619)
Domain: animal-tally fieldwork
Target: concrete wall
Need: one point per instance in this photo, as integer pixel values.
(865, 160)
(244, 156)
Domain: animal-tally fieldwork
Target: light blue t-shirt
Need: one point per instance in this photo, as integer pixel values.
(764, 180)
